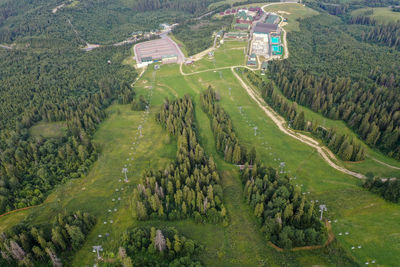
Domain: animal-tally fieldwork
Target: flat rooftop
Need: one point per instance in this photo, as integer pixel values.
(265, 27)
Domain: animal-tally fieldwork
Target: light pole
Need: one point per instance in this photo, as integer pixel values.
(255, 130)
(282, 165)
(97, 249)
(322, 208)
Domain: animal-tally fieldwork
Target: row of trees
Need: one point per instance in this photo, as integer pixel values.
(342, 145)
(373, 112)
(225, 138)
(388, 188)
(387, 34)
(188, 187)
(286, 218)
(41, 246)
(145, 246)
(53, 88)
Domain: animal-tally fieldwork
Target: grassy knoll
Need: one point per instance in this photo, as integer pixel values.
(293, 12)
(49, 129)
(381, 14)
(228, 54)
(367, 165)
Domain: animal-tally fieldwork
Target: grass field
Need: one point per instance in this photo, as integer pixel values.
(292, 12)
(381, 14)
(49, 129)
(368, 165)
(228, 54)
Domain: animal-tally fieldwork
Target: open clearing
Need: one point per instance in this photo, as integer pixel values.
(49, 129)
(381, 14)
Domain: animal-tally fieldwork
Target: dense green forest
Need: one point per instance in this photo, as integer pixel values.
(329, 72)
(38, 245)
(342, 145)
(53, 85)
(197, 35)
(101, 21)
(286, 218)
(188, 187)
(145, 246)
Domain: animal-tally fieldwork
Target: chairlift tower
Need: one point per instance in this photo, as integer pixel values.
(97, 249)
(124, 171)
(322, 208)
(140, 130)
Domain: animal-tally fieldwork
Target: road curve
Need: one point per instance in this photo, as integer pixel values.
(280, 122)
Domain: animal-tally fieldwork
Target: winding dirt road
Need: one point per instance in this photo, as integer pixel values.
(281, 123)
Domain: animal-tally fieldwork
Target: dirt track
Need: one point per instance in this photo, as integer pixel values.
(280, 122)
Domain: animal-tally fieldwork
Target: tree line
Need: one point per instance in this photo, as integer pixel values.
(387, 34)
(286, 218)
(347, 148)
(226, 140)
(150, 246)
(188, 187)
(74, 88)
(370, 110)
(40, 246)
(389, 188)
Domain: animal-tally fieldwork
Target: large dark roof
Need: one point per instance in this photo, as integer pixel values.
(265, 27)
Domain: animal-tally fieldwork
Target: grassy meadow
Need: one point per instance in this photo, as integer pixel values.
(230, 53)
(381, 14)
(367, 165)
(293, 12)
(49, 129)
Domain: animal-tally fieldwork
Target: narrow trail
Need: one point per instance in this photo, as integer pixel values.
(6, 47)
(383, 163)
(280, 122)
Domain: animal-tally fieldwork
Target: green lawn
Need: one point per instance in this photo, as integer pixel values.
(49, 129)
(381, 14)
(293, 12)
(228, 54)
